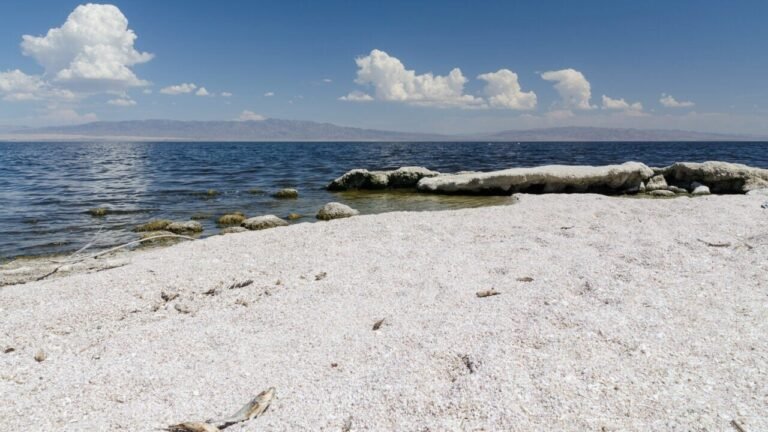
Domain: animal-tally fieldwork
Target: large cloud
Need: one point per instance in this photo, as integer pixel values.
(573, 87)
(504, 91)
(92, 51)
(393, 82)
(15, 85)
(670, 102)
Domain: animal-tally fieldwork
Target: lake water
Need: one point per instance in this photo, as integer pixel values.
(47, 188)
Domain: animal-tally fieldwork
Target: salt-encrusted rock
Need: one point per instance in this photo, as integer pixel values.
(233, 230)
(677, 189)
(661, 193)
(184, 227)
(334, 210)
(656, 182)
(720, 177)
(762, 192)
(611, 179)
(286, 193)
(263, 222)
(764, 205)
(699, 189)
(404, 177)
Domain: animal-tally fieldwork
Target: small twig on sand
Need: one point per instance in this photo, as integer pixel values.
(737, 426)
(241, 284)
(487, 293)
(710, 244)
(96, 256)
(249, 411)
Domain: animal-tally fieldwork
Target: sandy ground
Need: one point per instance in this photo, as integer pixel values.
(641, 315)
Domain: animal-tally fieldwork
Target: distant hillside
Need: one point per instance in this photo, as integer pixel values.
(298, 130)
(609, 134)
(262, 130)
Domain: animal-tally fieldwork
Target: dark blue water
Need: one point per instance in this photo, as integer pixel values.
(47, 188)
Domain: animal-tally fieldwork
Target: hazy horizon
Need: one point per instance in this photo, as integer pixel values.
(480, 70)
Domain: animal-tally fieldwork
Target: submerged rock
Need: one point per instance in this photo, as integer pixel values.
(334, 210)
(235, 218)
(404, 177)
(263, 222)
(98, 211)
(286, 193)
(609, 179)
(184, 227)
(720, 177)
(153, 225)
(294, 216)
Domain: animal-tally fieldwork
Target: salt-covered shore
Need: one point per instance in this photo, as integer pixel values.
(614, 314)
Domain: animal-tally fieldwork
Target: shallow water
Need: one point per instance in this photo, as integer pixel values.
(47, 188)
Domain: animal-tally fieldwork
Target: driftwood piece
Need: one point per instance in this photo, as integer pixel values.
(254, 408)
(487, 293)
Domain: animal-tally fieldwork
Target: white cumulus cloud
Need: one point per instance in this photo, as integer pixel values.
(503, 91)
(620, 104)
(670, 102)
(202, 91)
(179, 89)
(269, 94)
(15, 85)
(226, 94)
(393, 82)
(93, 50)
(122, 101)
(250, 116)
(573, 87)
(357, 96)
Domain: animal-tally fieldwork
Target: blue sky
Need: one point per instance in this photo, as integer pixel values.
(543, 63)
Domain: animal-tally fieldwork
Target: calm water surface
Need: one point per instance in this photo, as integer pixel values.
(47, 188)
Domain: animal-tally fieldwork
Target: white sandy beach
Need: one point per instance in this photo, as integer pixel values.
(641, 315)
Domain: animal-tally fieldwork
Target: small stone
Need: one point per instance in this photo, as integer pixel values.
(8, 350)
(182, 308)
(677, 190)
(166, 296)
(765, 205)
(525, 279)
(294, 216)
(287, 193)
(377, 324)
(320, 276)
(487, 293)
(661, 193)
(40, 356)
(233, 230)
(655, 183)
(263, 222)
(699, 189)
(334, 210)
(242, 302)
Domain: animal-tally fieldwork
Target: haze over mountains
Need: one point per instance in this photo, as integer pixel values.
(299, 130)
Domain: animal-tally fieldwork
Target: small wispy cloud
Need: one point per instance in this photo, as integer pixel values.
(269, 94)
(250, 116)
(202, 91)
(122, 102)
(179, 89)
(226, 94)
(670, 102)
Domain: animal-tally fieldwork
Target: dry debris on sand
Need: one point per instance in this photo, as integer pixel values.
(641, 315)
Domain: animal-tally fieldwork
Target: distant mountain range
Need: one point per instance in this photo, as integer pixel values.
(298, 130)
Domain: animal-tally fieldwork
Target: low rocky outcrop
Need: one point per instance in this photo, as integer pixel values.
(153, 225)
(656, 182)
(263, 222)
(334, 210)
(184, 227)
(720, 177)
(404, 177)
(609, 179)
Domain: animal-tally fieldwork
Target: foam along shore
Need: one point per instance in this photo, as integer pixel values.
(611, 314)
(626, 178)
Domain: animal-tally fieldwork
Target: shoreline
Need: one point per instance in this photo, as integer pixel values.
(615, 314)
